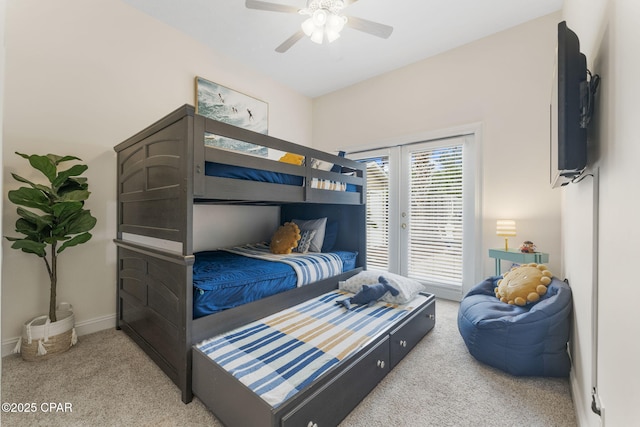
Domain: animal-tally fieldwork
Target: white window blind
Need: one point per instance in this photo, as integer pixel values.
(435, 199)
(378, 213)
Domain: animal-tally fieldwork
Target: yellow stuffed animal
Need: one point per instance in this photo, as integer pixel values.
(523, 284)
(294, 159)
(285, 239)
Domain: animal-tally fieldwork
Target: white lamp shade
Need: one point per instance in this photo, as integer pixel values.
(317, 35)
(506, 228)
(332, 36)
(335, 23)
(308, 27)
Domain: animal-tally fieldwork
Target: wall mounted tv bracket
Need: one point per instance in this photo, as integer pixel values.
(588, 89)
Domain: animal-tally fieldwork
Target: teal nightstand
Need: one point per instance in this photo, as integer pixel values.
(515, 255)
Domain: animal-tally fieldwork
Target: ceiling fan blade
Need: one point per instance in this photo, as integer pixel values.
(370, 27)
(290, 42)
(271, 7)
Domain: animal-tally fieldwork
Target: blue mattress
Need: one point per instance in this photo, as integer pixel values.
(250, 174)
(223, 280)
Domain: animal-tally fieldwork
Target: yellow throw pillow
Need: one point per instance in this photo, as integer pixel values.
(524, 284)
(294, 159)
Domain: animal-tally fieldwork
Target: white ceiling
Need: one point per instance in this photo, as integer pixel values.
(422, 28)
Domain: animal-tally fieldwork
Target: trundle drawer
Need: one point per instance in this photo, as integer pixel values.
(335, 400)
(407, 335)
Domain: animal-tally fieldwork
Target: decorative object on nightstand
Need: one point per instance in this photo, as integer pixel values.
(527, 247)
(514, 255)
(506, 228)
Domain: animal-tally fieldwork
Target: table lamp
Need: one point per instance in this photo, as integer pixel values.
(506, 228)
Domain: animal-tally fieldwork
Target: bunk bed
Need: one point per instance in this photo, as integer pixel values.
(167, 169)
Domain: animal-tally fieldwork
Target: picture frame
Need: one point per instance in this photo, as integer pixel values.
(221, 103)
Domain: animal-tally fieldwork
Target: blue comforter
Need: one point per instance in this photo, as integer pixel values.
(223, 280)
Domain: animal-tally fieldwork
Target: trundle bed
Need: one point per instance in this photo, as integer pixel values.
(166, 169)
(309, 365)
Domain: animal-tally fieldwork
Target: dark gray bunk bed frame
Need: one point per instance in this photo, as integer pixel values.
(161, 175)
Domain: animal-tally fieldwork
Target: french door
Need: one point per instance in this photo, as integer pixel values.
(421, 212)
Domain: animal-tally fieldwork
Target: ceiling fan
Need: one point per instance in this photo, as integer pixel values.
(325, 21)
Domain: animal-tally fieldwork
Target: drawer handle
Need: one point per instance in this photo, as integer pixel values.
(380, 363)
(403, 343)
(312, 424)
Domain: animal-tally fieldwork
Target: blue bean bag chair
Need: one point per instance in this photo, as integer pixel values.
(525, 341)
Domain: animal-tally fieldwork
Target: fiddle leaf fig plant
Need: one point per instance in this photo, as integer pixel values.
(59, 221)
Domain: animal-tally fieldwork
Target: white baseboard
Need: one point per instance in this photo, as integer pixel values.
(82, 328)
(452, 294)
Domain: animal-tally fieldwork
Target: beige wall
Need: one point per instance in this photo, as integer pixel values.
(80, 78)
(504, 83)
(610, 38)
(3, 5)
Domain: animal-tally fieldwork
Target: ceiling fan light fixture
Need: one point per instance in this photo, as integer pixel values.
(324, 19)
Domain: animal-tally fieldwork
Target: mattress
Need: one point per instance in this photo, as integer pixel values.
(223, 280)
(279, 355)
(239, 172)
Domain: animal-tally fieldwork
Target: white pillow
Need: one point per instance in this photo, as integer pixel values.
(319, 225)
(321, 165)
(408, 288)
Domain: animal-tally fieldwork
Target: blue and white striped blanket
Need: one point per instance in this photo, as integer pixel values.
(281, 354)
(309, 267)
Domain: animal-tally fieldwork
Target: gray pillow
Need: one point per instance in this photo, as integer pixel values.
(318, 225)
(305, 241)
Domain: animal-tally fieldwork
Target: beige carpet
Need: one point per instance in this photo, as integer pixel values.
(106, 380)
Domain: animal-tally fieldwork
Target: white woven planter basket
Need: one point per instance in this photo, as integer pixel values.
(42, 339)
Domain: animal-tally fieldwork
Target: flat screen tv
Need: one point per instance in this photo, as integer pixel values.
(569, 104)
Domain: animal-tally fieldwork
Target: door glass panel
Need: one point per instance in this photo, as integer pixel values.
(378, 213)
(435, 202)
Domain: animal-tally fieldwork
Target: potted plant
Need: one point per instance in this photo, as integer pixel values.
(62, 222)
